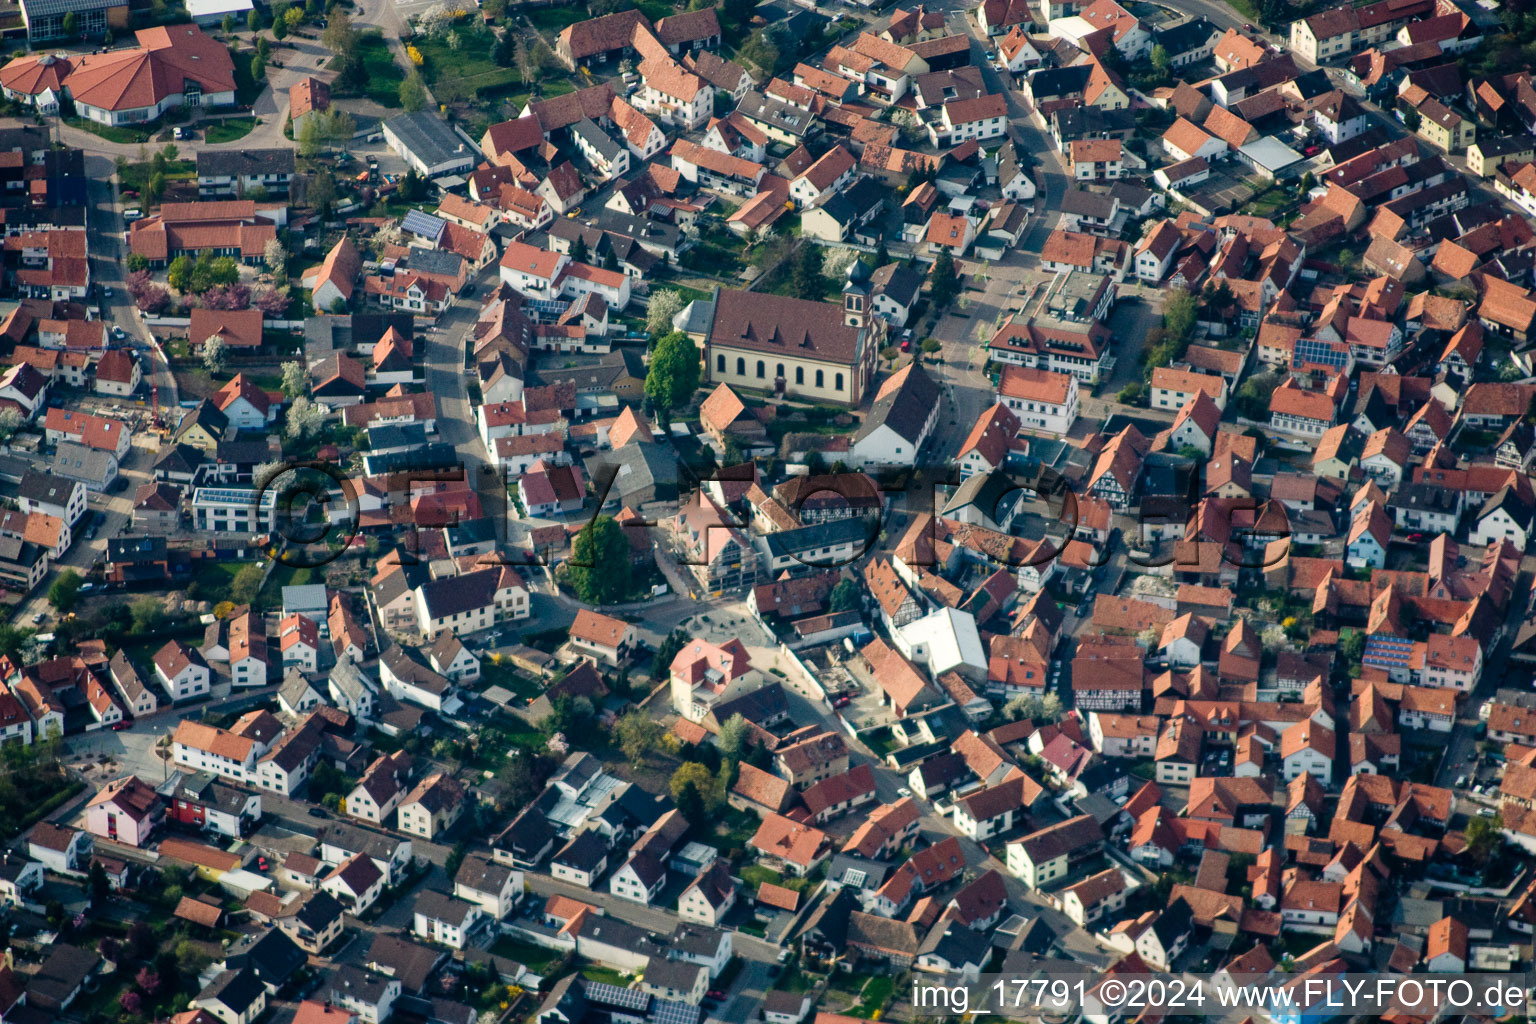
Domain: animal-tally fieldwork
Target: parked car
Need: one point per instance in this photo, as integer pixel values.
(319, 812)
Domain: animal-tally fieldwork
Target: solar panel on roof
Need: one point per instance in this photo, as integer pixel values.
(613, 995)
(424, 224)
(667, 1011)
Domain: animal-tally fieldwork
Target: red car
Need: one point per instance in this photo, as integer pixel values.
(120, 726)
(906, 346)
(842, 702)
(715, 993)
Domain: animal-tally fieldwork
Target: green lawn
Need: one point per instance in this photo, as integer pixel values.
(384, 75)
(230, 129)
(136, 176)
(458, 74)
(553, 19)
(505, 675)
(605, 976)
(876, 991)
(112, 133)
(215, 577)
(535, 958)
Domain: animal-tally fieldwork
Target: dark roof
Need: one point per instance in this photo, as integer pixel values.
(829, 533)
(906, 409)
(271, 955)
(45, 487)
(585, 852)
(898, 282)
(243, 162)
(410, 962)
(237, 989)
(318, 912)
(778, 323)
(428, 137)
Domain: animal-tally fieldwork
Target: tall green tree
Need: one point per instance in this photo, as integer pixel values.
(806, 279)
(599, 566)
(65, 591)
(673, 375)
(943, 281)
(413, 92)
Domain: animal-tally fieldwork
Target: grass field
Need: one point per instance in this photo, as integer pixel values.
(384, 75)
(553, 19)
(112, 133)
(465, 70)
(230, 129)
(136, 176)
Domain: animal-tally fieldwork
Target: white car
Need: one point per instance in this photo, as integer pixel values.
(903, 792)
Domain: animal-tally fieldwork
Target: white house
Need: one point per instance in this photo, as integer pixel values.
(1041, 399)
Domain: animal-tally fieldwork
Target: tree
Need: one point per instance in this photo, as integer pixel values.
(1272, 637)
(295, 378)
(272, 302)
(339, 35)
(599, 566)
(275, 256)
(146, 614)
(253, 20)
(665, 304)
(455, 858)
(228, 24)
(279, 27)
(413, 186)
(454, 40)
(136, 262)
(667, 650)
(65, 590)
(311, 136)
(1484, 837)
(691, 773)
(246, 584)
(1253, 395)
(637, 734)
(1179, 311)
(305, 418)
(258, 67)
(806, 279)
(179, 274)
(141, 938)
(845, 596)
(10, 422)
(1412, 119)
(337, 127)
(1161, 60)
(734, 738)
(943, 281)
(413, 93)
(70, 24)
(147, 980)
(101, 885)
(131, 1002)
(882, 254)
(1351, 645)
(690, 803)
(579, 250)
(213, 354)
(673, 375)
(522, 57)
(930, 346)
(321, 192)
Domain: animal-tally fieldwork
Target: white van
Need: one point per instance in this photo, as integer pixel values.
(132, 214)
